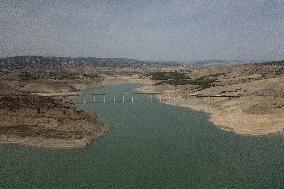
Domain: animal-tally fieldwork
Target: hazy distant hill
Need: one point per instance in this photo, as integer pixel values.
(39, 62)
(35, 62)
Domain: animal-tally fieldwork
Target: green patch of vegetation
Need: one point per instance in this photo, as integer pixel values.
(176, 78)
(202, 83)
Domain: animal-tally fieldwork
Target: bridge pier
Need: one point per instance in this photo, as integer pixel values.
(104, 98)
(151, 97)
(132, 98)
(113, 99)
(94, 98)
(123, 98)
(84, 100)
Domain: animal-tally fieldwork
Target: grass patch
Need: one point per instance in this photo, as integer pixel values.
(176, 78)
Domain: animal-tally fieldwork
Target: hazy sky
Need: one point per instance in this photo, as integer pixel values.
(180, 30)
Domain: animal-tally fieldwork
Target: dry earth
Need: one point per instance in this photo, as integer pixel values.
(260, 110)
(31, 115)
(33, 112)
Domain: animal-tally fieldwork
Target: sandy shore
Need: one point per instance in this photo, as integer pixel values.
(226, 114)
(235, 120)
(52, 143)
(59, 143)
(40, 142)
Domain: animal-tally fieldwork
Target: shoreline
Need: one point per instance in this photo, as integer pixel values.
(100, 129)
(39, 142)
(234, 121)
(230, 119)
(52, 143)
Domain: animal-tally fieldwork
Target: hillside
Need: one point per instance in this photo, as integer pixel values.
(55, 63)
(258, 111)
(55, 122)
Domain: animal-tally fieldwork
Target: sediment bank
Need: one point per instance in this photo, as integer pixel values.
(227, 114)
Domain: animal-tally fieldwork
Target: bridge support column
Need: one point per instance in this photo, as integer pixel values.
(94, 98)
(84, 100)
(151, 97)
(132, 98)
(123, 98)
(113, 99)
(104, 98)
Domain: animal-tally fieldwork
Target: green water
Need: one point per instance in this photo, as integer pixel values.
(152, 145)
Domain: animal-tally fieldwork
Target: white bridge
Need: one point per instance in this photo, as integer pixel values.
(121, 98)
(134, 97)
(116, 98)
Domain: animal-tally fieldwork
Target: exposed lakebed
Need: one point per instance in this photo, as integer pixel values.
(151, 145)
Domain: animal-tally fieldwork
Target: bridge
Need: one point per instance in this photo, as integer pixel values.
(116, 97)
(132, 97)
(159, 96)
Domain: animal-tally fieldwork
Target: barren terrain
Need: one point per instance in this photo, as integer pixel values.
(259, 110)
(35, 111)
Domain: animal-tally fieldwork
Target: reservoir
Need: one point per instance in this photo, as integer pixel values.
(151, 145)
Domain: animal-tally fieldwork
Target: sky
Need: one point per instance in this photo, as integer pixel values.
(169, 30)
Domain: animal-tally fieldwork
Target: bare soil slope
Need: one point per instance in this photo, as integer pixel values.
(46, 121)
(259, 111)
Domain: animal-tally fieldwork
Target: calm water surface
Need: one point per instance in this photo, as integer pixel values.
(152, 145)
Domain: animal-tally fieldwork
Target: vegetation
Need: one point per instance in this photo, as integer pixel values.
(176, 78)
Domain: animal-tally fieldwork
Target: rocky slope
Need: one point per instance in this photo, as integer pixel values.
(45, 121)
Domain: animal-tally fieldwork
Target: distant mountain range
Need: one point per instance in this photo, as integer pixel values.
(40, 62)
